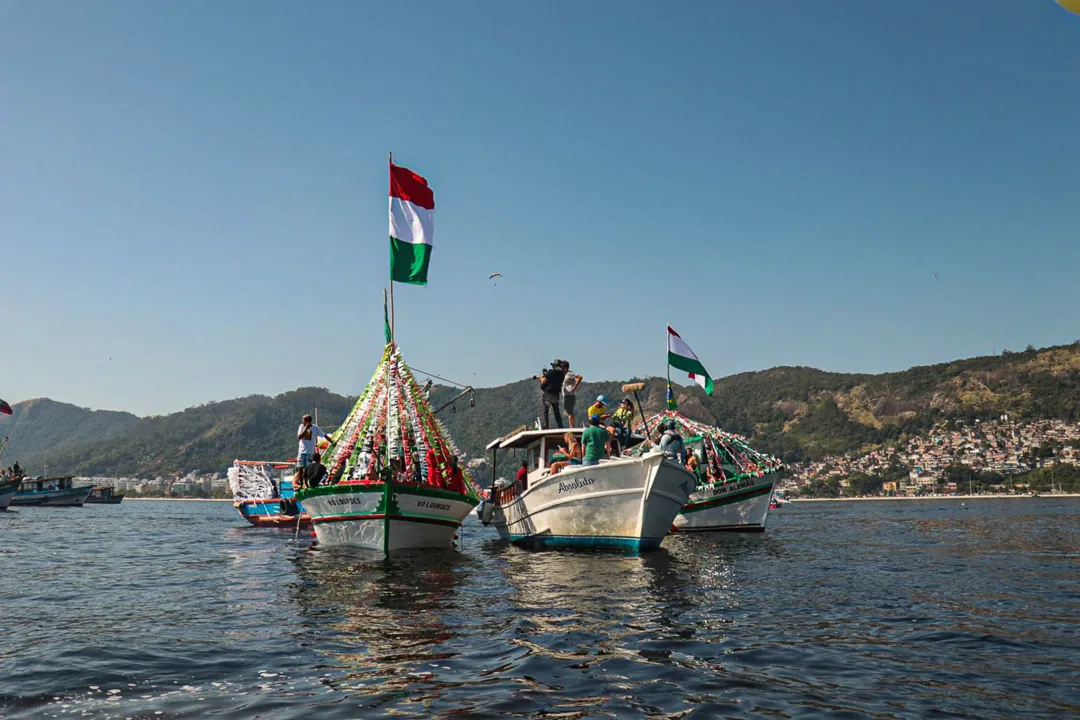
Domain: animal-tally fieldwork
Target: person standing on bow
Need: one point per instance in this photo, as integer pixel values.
(551, 381)
(571, 383)
(307, 434)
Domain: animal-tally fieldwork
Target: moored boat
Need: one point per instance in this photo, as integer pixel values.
(9, 485)
(395, 479)
(52, 492)
(263, 499)
(734, 482)
(104, 495)
(624, 503)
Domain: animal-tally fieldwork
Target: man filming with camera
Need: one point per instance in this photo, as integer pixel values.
(551, 381)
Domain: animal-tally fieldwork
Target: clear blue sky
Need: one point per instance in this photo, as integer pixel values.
(198, 190)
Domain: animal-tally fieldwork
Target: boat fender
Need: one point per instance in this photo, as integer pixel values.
(487, 513)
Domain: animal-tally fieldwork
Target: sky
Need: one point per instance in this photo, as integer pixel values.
(193, 195)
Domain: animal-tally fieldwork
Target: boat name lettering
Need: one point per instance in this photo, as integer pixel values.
(725, 489)
(339, 501)
(433, 505)
(575, 485)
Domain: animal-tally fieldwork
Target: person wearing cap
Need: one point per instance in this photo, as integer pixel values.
(551, 381)
(307, 434)
(671, 443)
(596, 442)
(620, 424)
(599, 408)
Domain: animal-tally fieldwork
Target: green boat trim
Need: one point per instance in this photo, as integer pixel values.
(399, 489)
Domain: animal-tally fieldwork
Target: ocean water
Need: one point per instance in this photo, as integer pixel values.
(846, 610)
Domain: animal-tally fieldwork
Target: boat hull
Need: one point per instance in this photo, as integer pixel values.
(361, 515)
(736, 507)
(267, 513)
(71, 497)
(8, 488)
(625, 504)
(107, 500)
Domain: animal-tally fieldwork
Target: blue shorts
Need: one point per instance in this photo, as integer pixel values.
(588, 463)
(303, 460)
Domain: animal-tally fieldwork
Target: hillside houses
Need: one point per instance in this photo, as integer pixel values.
(1000, 446)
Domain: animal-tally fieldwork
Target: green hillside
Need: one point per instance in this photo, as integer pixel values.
(795, 412)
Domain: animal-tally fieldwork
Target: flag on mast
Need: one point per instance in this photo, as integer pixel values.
(412, 226)
(681, 357)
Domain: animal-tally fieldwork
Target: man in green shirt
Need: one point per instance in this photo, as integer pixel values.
(595, 441)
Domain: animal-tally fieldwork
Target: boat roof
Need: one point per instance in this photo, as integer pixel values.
(522, 438)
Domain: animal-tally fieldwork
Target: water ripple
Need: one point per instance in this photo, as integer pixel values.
(885, 610)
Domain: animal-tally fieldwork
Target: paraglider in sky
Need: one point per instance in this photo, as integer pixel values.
(1072, 6)
(935, 276)
(494, 275)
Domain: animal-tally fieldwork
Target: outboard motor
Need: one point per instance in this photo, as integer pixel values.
(487, 512)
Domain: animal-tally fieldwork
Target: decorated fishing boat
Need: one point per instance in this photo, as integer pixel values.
(9, 485)
(263, 494)
(396, 481)
(104, 495)
(625, 503)
(734, 483)
(52, 492)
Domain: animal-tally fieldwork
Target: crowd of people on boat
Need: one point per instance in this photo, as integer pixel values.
(13, 471)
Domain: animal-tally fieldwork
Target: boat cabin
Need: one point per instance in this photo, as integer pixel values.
(44, 484)
(539, 447)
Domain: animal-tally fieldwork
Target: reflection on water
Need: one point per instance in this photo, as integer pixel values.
(846, 610)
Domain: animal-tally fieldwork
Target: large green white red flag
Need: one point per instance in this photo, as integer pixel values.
(412, 226)
(679, 355)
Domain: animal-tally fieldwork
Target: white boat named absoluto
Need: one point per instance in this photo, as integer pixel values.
(624, 503)
(734, 482)
(395, 477)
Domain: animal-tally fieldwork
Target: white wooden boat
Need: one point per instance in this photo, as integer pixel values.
(741, 506)
(393, 480)
(625, 503)
(735, 493)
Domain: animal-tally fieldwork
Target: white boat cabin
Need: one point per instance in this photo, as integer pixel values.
(44, 484)
(539, 447)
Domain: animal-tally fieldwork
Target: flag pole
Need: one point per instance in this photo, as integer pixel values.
(390, 161)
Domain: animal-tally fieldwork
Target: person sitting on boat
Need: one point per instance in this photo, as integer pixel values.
(596, 442)
(620, 425)
(314, 473)
(455, 476)
(671, 443)
(523, 474)
(599, 408)
(307, 434)
(565, 455)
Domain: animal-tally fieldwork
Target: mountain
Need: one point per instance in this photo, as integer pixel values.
(41, 430)
(795, 412)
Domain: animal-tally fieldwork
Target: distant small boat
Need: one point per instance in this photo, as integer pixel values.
(9, 485)
(105, 495)
(53, 492)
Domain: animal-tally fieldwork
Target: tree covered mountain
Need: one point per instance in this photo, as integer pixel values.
(795, 412)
